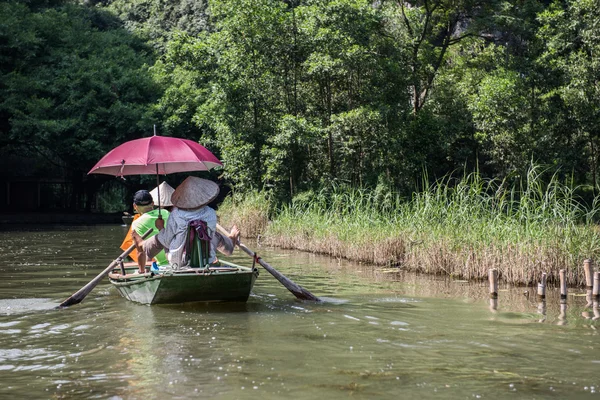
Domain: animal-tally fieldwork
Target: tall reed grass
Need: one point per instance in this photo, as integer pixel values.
(457, 227)
(249, 211)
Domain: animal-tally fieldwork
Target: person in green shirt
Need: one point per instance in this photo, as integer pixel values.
(149, 219)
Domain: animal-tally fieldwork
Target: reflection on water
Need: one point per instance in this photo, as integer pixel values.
(562, 316)
(542, 310)
(379, 333)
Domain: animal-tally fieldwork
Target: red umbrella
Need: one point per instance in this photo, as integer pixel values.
(156, 155)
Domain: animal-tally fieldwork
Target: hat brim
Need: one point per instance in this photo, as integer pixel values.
(194, 193)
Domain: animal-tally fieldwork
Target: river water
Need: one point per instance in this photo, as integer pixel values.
(379, 334)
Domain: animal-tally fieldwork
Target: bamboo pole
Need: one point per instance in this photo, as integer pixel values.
(589, 273)
(563, 285)
(493, 277)
(562, 316)
(541, 291)
(595, 292)
(541, 295)
(589, 282)
(596, 311)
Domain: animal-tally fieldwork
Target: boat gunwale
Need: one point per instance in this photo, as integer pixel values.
(130, 280)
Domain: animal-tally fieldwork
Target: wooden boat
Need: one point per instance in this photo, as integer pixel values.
(226, 282)
(127, 219)
(198, 281)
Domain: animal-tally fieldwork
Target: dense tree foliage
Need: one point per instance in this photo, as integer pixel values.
(73, 85)
(295, 95)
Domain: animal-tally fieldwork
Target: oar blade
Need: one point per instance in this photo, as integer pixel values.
(71, 301)
(293, 287)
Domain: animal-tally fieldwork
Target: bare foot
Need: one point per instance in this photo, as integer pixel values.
(234, 234)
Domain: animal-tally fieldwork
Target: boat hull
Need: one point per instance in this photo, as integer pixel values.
(192, 285)
(127, 219)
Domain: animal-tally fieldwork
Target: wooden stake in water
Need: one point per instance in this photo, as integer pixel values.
(562, 317)
(563, 285)
(595, 292)
(541, 292)
(493, 276)
(589, 273)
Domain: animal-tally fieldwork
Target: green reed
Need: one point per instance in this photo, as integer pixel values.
(461, 227)
(249, 211)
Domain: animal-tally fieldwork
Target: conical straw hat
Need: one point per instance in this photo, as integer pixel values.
(166, 191)
(194, 193)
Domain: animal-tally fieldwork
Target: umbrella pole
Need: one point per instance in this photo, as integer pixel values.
(157, 182)
(158, 191)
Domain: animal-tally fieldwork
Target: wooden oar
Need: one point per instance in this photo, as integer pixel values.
(78, 296)
(296, 289)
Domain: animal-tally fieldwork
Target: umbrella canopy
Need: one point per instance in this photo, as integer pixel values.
(156, 155)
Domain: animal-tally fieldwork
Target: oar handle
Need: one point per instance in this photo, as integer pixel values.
(223, 231)
(296, 289)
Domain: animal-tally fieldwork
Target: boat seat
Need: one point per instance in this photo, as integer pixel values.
(198, 244)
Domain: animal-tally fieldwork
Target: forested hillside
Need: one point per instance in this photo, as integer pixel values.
(296, 95)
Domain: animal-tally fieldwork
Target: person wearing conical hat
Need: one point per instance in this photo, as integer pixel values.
(164, 200)
(190, 201)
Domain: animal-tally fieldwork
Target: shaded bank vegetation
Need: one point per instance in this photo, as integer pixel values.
(73, 83)
(459, 227)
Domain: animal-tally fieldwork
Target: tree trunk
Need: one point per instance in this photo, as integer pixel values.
(329, 133)
(593, 162)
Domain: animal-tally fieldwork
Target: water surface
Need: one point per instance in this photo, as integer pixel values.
(379, 334)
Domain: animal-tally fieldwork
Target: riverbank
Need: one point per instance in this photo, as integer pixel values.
(460, 229)
(55, 218)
